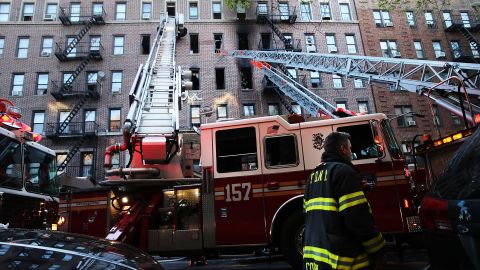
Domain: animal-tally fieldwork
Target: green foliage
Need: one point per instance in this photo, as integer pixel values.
(415, 5)
(232, 4)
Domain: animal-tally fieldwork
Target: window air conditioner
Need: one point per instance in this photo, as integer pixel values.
(333, 49)
(45, 54)
(411, 123)
(17, 93)
(440, 54)
(388, 24)
(49, 17)
(145, 16)
(396, 54)
(311, 49)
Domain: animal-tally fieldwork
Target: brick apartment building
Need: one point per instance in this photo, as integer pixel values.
(427, 34)
(36, 64)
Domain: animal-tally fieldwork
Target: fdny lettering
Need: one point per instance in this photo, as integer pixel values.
(318, 176)
(311, 266)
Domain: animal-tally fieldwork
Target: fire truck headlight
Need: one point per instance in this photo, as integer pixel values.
(61, 221)
(124, 200)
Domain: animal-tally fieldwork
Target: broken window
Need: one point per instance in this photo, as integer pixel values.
(243, 41)
(246, 78)
(193, 43)
(218, 42)
(195, 78)
(145, 44)
(266, 40)
(220, 78)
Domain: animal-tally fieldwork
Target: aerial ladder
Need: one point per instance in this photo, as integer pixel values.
(449, 85)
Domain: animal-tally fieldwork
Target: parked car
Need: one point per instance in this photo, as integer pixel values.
(450, 212)
(40, 249)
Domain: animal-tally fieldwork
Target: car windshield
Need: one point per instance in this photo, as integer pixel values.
(391, 141)
(10, 163)
(40, 171)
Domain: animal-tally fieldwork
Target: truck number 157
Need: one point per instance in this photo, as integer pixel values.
(238, 192)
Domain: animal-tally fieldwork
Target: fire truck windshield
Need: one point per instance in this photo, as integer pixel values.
(10, 163)
(391, 141)
(40, 171)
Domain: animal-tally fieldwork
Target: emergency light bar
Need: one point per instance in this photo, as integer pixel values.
(446, 140)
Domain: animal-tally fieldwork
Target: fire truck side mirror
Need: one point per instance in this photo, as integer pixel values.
(368, 182)
(187, 83)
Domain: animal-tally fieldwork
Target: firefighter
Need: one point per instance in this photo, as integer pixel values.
(339, 229)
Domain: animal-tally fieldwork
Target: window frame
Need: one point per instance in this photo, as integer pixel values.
(2, 45)
(219, 85)
(118, 12)
(402, 121)
(29, 15)
(21, 49)
(194, 49)
(411, 20)
(351, 45)
(15, 85)
(118, 47)
(115, 82)
(193, 6)
(305, 14)
(219, 117)
(312, 78)
(342, 13)
(34, 123)
(382, 18)
(38, 90)
(275, 106)
(149, 13)
(111, 121)
(419, 50)
(337, 82)
(325, 11)
(217, 13)
(195, 116)
(44, 47)
(331, 47)
(6, 15)
(282, 148)
(251, 109)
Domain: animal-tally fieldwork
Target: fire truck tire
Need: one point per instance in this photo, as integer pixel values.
(291, 239)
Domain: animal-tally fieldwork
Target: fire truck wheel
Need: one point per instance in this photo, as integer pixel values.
(291, 239)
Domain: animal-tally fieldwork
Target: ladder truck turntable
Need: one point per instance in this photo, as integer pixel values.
(250, 193)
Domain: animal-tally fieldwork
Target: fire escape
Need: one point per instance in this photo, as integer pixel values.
(280, 13)
(467, 25)
(77, 87)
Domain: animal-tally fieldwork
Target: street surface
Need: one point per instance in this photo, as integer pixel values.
(413, 259)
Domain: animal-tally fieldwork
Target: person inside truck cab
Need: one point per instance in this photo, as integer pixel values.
(339, 229)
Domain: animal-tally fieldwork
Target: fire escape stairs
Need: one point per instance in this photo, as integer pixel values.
(68, 83)
(72, 114)
(286, 41)
(80, 35)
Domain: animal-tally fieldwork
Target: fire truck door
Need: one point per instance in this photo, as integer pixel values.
(239, 209)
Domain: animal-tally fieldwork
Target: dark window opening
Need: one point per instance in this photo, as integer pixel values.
(195, 78)
(246, 78)
(236, 150)
(145, 44)
(243, 41)
(171, 9)
(193, 43)
(218, 42)
(363, 141)
(281, 151)
(265, 41)
(220, 78)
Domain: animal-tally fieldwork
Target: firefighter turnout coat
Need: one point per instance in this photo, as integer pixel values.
(339, 229)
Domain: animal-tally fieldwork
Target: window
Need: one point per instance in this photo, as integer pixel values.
(437, 48)
(2, 45)
(95, 44)
(363, 107)
(89, 121)
(222, 113)
(281, 151)
(265, 41)
(97, 9)
(411, 19)
(273, 109)
(331, 43)
(74, 12)
(473, 47)
(195, 78)
(305, 12)
(310, 43)
(382, 18)
(117, 77)
(243, 41)
(456, 120)
(195, 115)
(218, 38)
(345, 12)
(27, 12)
(437, 121)
(296, 108)
(455, 45)
(60, 157)
(337, 81)
(22, 51)
(62, 116)
(341, 104)
(447, 19)
(145, 44)
(315, 79)
(38, 121)
(429, 20)
(47, 46)
(249, 109)
(405, 120)
(246, 78)
(115, 161)
(92, 77)
(465, 19)
(17, 84)
(120, 11)
(42, 83)
(284, 11)
(193, 10)
(86, 164)
(358, 83)
(351, 43)
(118, 43)
(236, 150)
(146, 11)
(220, 78)
(4, 12)
(419, 49)
(67, 78)
(73, 51)
(114, 120)
(325, 11)
(217, 10)
(193, 43)
(389, 48)
(262, 8)
(363, 141)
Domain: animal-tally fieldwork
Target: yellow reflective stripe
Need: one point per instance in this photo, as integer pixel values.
(321, 203)
(375, 244)
(325, 256)
(321, 207)
(361, 261)
(321, 199)
(351, 199)
(350, 204)
(349, 196)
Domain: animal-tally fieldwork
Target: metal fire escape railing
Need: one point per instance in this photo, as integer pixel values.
(407, 74)
(264, 16)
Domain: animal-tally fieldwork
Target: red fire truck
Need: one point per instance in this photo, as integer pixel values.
(28, 188)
